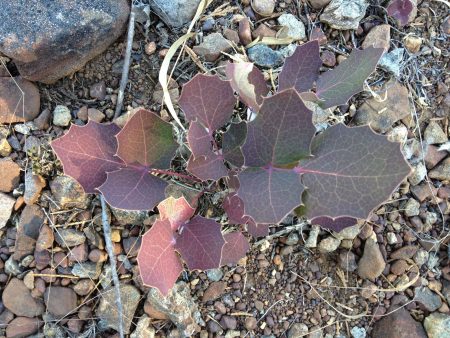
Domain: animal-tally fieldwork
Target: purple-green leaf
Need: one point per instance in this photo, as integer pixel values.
(281, 133)
(232, 142)
(248, 82)
(337, 86)
(301, 69)
(352, 172)
(208, 100)
(235, 248)
(200, 243)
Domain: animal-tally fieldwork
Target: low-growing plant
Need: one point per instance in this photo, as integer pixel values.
(272, 161)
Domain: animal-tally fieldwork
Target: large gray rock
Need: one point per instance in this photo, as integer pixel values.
(6, 205)
(398, 324)
(49, 39)
(344, 14)
(175, 13)
(437, 325)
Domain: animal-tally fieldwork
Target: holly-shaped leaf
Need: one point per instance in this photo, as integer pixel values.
(176, 210)
(200, 243)
(236, 247)
(248, 82)
(159, 264)
(87, 153)
(400, 10)
(301, 69)
(338, 85)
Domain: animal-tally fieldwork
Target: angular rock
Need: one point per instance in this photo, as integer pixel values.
(214, 291)
(412, 208)
(132, 217)
(344, 14)
(245, 32)
(83, 287)
(347, 261)
(318, 4)
(442, 171)
(33, 187)
(298, 330)
(31, 220)
(329, 244)
(295, 28)
(98, 90)
(437, 325)
(433, 156)
(392, 61)
(95, 115)
(17, 298)
(382, 115)
(87, 270)
(60, 301)
(212, 46)
(51, 39)
(69, 237)
(6, 206)
(179, 306)
(372, 263)
(5, 147)
(42, 122)
(265, 56)
(175, 13)
(434, 134)
(12, 106)
(398, 324)
(405, 252)
(45, 238)
(107, 311)
(418, 173)
(378, 37)
(143, 328)
(68, 193)
(61, 116)
(430, 300)
(9, 173)
(23, 327)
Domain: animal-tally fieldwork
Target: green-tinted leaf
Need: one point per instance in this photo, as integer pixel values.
(232, 143)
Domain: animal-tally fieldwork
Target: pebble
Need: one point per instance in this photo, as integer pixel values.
(391, 61)
(6, 206)
(433, 156)
(69, 237)
(30, 222)
(297, 330)
(61, 116)
(391, 238)
(264, 56)
(23, 327)
(87, 270)
(33, 187)
(263, 7)
(214, 275)
(405, 252)
(263, 31)
(212, 46)
(412, 208)
(358, 332)
(5, 147)
(214, 291)
(430, 300)
(378, 37)
(418, 174)
(347, 261)
(442, 171)
(250, 323)
(17, 298)
(98, 90)
(372, 263)
(11, 95)
(12, 267)
(108, 314)
(318, 4)
(95, 115)
(10, 174)
(295, 28)
(344, 14)
(398, 324)
(60, 301)
(311, 242)
(437, 325)
(68, 193)
(42, 122)
(175, 13)
(245, 32)
(144, 328)
(398, 134)
(394, 11)
(228, 322)
(434, 134)
(412, 43)
(421, 257)
(329, 244)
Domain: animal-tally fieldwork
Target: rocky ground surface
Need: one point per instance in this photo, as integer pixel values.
(386, 277)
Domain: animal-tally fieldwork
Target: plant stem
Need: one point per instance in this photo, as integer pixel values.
(172, 173)
(112, 260)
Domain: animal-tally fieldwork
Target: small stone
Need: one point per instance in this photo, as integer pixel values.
(412, 43)
(214, 275)
(264, 56)
(329, 244)
(381, 115)
(228, 322)
(28, 280)
(412, 208)
(33, 187)
(368, 289)
(11, 92)
(328, 58)
(378, 37)
(10, 174)
(250, 323)
(263, 7)
(292, 239)
(391, 238)
(392, 61)
(214, 291)
(83, 287)
(87, 270)
(399, 324)
(311, 242)
(395, 11)
(212, 46)
(6, 206)
(5, 147)
(98, 90)
(17, 299)
(42, 122)
(405, 252)
(78, 253)
(12, 267)
(295, 28)
(61, 116)
(175, 13)
(28, 229)
(430, 300)
(347, 261)
(318, 4)
(23, 327)
(358, 332)
(349, 232)
(231, 35)
(143, 328)
(433, 156)
(131, 245)
(263, 31)
(398, 134)
(69, 237)
(108, 314)
(437, 325)
(150, 48)
(372, 263)
(399, 267)
(95, 115)
(68, 193)
(344, 14)
(298, 330)
(442, 171)
(318, 34)
(245, 32)
(421, 257)
(45, 238)
(60, 301)
(418, 174)
(434, 134)
(153, 313)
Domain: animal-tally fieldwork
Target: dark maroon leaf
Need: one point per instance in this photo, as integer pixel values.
(209, 100)
(301, 69)
(235, 248)
(353, 171)
(258, 230)
(232, 143)
(88, 153)
(281, 133)
(335, 87)
(248, 82)
(159, 264)
(176, 210)
(147, 139)
(270, 194)
(209, 167)
(334, 224)
(133, 189)
(234, 207)
(200, 243)
(199, 140)
(400, 10)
